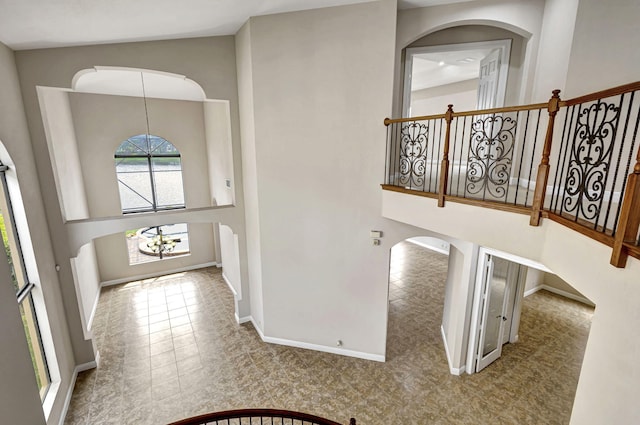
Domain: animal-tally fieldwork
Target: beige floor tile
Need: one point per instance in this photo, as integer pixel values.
(171, 349)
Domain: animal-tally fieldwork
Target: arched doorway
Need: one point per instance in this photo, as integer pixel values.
(417, 278)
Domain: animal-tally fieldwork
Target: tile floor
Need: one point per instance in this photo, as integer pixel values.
(170, 349)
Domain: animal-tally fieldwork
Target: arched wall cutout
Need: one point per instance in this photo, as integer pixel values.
(487, 22)
(123, 81)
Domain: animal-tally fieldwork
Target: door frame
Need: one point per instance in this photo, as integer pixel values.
(503, 45)
(476, 309)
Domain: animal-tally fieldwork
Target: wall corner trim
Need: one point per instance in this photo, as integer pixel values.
(93, 310)
(241, 320)
(233, 291)
(454, 370)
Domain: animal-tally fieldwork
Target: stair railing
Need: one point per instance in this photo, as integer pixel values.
(258, 416)
(570, 161)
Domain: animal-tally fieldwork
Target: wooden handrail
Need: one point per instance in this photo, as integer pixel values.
(614, 91)
(444, 166)
(620, 230)
(215, 417)
(629, 222)
(389, 121)
(543, 168)
(531, 107)
(602, 94)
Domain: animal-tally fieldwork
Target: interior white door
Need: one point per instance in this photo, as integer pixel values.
(489, 80)
(495, 297)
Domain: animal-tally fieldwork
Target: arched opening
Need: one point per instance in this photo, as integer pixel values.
(469, 66)
(430, 329)
(417, 278)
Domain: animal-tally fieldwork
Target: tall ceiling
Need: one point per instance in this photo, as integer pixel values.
(32, 24)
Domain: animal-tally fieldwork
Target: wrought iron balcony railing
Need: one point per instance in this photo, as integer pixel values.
(571, 161)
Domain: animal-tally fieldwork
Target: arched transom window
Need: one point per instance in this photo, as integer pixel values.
(149, 174)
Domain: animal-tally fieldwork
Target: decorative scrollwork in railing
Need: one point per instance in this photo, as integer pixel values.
(490, 156)
(413, 147)
(590, 159)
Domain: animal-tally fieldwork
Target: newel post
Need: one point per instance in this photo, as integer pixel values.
(629, 221)
(543, 168)
(444, 166)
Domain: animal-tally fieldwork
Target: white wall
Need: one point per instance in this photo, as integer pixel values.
(230, 259)
(456, 316)
(18, 392)
(556, 38)
(249, 172)
(217, 122)
(63, 149)
(319, 150)
(87, 280)
(463, 95)
(604, 52)
(113, 256)
(103, 122)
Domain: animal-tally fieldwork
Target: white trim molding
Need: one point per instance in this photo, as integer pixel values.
(560, 292)
(245, 319)
(93, 310)
(454, 370)
(228, 282)
(157, 274)
(316, 347)
(324, 348)
(79, 368)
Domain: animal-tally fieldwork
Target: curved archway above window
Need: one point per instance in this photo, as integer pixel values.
(149, 173)
(126, 82)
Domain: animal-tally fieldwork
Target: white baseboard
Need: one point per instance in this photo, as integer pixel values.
(256, 327)
(233, 291)
(315, 347)
(79, 368)
(454, 370)
(93, 310)
(324, 348)
(241, 320)
(157, 274)
(431, 247)
(560, 292)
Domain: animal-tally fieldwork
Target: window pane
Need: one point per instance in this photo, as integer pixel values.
(167, 173)
(11, 249)
(136, 145)
(134, 183)
(178, 234)
(157, 242)
(35, 345)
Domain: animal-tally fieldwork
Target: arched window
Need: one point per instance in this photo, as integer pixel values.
(149, 174)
